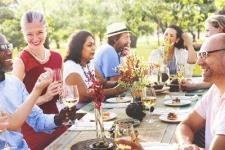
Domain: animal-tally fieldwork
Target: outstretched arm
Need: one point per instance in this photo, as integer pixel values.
(192, 56)
(17, 119)
(186, 129)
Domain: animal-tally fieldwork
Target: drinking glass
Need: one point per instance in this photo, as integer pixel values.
(149, 100)
(124, 131)
(70, 96)
(57, 76)
(180, 71)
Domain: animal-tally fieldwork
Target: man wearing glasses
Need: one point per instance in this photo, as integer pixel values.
(210, 110)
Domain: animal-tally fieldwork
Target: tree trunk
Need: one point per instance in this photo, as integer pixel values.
(133, 39)
(46, 44)
(57, 44)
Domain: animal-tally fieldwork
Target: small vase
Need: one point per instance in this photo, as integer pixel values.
(99, 123)
(136, 94)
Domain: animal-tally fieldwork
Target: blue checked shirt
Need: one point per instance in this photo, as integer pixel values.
(12, 94)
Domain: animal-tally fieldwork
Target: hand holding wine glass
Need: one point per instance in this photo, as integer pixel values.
(124, 131)
(70, 96)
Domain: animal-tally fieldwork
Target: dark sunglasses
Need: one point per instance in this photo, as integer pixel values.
(7, 46)
(204, 54)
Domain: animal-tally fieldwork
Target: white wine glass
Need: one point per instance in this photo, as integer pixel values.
(124, 131)
(149, 100)
(180, 71)
(70, 96)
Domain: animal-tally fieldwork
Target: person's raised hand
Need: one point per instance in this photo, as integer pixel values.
(43, 80)
(187, 39)
(53, 89)
(187, 85)
(125, 51)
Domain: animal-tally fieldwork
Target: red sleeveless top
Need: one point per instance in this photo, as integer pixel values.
(39, 140)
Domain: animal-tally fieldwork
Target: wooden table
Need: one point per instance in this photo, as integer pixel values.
(157, 131)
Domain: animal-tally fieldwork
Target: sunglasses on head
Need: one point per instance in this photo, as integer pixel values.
(7, 46)
(204, 54)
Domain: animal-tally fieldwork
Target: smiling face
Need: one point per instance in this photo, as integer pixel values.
(171, 34)
(214, 63)
(34, 34)
(88, 50)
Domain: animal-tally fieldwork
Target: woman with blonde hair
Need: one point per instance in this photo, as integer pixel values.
(214, 24)
(32, 61)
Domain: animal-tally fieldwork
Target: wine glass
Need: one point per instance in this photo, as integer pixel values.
(57, 76)
(70, 96)
(124, 131)
(180, 71)
(150, 101)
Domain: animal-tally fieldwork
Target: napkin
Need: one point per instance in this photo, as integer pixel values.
(115, 105)
(88, 126)
(158, 146)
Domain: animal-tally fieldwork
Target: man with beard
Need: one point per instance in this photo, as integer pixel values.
(209, 112)
(108, 56)
(13, 96)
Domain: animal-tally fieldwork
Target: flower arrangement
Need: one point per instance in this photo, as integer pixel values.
(133, 73)
(97, 86)
(99, 97)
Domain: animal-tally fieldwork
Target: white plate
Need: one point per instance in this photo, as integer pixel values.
(165, 88)
(91, 117)
(181, 103)
(167, 97)
(118, 99)
(164, 118)
(110, 117)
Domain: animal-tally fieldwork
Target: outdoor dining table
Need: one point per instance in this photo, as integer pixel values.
(157, 131)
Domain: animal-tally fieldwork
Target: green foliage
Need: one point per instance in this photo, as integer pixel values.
(220, 4)
(16, 38)
(143, 17)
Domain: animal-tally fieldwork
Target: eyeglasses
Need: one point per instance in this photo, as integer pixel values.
(6, 46)
(204, 54)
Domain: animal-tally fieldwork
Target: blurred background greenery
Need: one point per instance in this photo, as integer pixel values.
(147, 19)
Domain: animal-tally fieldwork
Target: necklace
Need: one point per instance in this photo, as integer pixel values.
(90, 77)
(43, 60)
